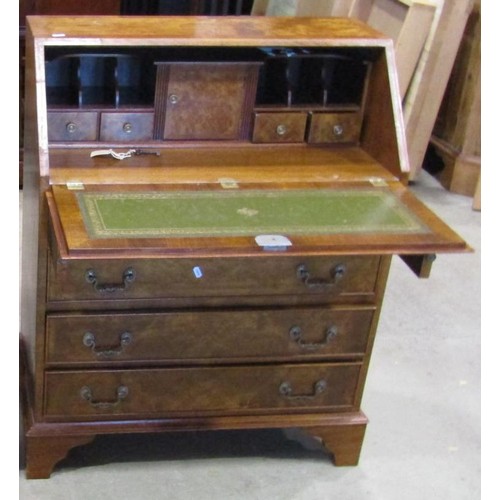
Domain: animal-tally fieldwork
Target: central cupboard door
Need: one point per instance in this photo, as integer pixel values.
(207, 101)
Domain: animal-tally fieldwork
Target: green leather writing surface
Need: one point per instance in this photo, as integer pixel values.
(160, 214)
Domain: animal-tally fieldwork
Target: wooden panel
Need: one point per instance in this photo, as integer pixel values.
(428, 85)
(321, 8)
(457, 131)
(379, 138)
(281, 7)
(259, 7)
(229, 390)
(388, 16)
(208, 101)
(461, 172)
(279, 127)
(411, 40)
(302, 8)
(334, 127)
(210, 163)
(206, 336)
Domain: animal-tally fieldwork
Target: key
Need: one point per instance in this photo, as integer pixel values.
(139, 152)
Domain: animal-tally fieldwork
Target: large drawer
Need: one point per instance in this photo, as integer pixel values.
(112, 279)
(154, 393)
(207, 336)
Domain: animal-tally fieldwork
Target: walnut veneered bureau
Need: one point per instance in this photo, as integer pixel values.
(210, 209)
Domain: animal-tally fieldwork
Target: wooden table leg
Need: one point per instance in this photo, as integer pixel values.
(43, 452)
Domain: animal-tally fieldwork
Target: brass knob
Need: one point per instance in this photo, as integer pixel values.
(338, 130)
(71, 127)
(173, 98)
(127, 128)
(281, 129)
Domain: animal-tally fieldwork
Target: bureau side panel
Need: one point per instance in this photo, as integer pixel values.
(383, 128)
(383, 273)
(34, 225)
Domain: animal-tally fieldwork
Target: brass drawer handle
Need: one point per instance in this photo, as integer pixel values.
(106, 352)
(121, 394)
(336, 275)
(286, 390)
(127, 128)
(296, 335)
(127, 278)
(173, 98)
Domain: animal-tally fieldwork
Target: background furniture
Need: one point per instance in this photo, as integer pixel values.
(457, 132)
(422, 104)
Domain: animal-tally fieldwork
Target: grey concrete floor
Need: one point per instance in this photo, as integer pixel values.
(422, 398)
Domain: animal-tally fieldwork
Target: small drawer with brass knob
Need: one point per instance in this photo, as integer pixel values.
(72, 126)
(279, 127)
(334, 127)
(125, 127)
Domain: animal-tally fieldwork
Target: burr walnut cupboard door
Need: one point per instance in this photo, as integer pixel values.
(206, 101)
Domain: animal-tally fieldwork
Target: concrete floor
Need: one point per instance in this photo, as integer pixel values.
(422, 398)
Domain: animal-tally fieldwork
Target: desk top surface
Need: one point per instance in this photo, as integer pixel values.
(244, 212)
(184, 220)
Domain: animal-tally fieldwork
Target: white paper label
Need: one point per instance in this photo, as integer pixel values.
(273, 241)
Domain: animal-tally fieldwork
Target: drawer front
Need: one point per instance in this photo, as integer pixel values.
(206, 336)
(335, 127)
(101, 394)
(211, 277)
(279, 127)
(73, 126)
(126, 126)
